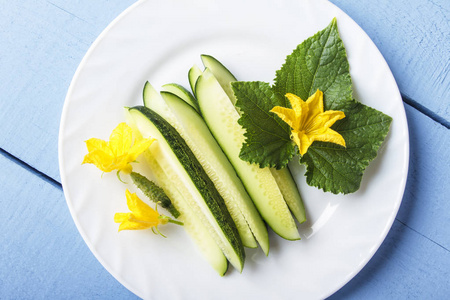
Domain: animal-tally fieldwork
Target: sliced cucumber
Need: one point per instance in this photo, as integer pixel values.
(152, 99)
(222, 119)
(192, 223)
(181, 92)
(283, 177)
(223, 76)
(218, 168)
(289, 190)
(197, 136)
(193, 75)
(181, 166)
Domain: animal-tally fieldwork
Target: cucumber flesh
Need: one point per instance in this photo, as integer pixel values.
(193, 75)
(222, 74)
(156, 102)
(199, 234)
(218, 167)
(192, 223)
(283, 177)
(193, 132)
(290, 193)
(180, 165)
(181, 92)
(152, 99)
(194, 227)
(222, 119)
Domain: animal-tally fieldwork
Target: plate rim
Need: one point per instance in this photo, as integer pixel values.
(91, 247)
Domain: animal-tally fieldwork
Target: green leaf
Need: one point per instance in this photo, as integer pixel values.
(268, 141)
(337, 169)
(320, 62)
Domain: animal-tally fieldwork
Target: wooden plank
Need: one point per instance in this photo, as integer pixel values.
(412, 251)
(45, 42)
(414, 260)
(406, 266)
(42, 254)
(413, 36)
(39, 52)
(425, 204)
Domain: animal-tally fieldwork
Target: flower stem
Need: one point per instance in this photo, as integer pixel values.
(175, 222)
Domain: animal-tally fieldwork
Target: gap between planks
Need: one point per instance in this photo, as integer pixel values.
(31, 169)
(422, 109)
(427, 112)
(424, 236)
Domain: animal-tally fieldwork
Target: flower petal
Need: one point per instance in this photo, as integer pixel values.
(309, 122)
(139, 146)
(131, 225)
(324, 121)
(315, 108)
(142, 216)
(330, 136)
(148, 224)
(120, 139)
(140, 209)
(128, 222)
(121, 217)
(296, 102)
(331, 116)
(301, 110)
(315, 103)
(97, 144)
(102, 160)
(302, 140)
(285, 114)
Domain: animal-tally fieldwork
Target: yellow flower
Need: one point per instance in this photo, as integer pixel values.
(309, 122)
(118, 152)
(141, 216)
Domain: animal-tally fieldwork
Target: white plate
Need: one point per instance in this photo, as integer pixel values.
(159, 41)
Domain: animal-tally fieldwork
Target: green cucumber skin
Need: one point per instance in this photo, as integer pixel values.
(158, 103)
(154, 192)
(222, 74)
(288, 186)
(146, 91)
(198, 176)
(290, 193)
(192, 224)
(270, 202)
(193, 75)
(189, 118)
(182, 93)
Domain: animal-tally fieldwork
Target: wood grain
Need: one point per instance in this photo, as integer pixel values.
(39, 53)
(46, 41)
(426, 202)
(414, 260)
(42, 254)
(413, 36)
(406, 266)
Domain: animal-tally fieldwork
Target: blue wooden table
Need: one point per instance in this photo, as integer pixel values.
(43, 255)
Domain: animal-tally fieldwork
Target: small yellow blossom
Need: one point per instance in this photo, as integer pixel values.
(309, 122)
(141, 216)
(118, 152)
